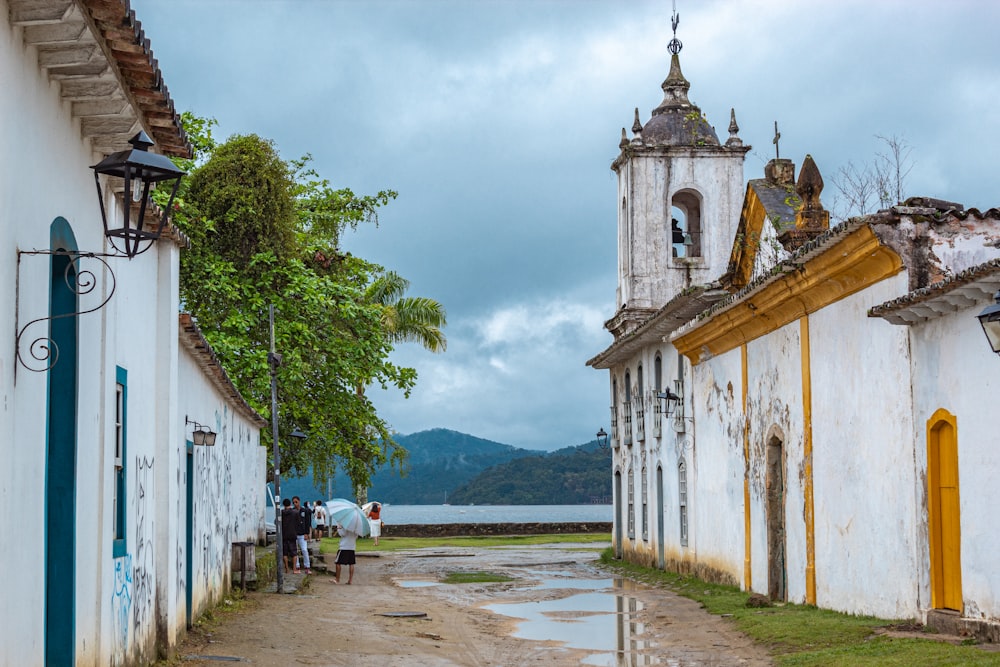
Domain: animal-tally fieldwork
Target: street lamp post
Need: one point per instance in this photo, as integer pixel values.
(274, 361)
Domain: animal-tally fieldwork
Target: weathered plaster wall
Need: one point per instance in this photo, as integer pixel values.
(648, 274)
(227, 487)
(954, 369)
(774, 411)
(866, 556)
(715, 462)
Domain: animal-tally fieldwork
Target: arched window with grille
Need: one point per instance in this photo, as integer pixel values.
(682, 499)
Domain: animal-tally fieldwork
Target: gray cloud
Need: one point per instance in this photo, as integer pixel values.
(497, 123)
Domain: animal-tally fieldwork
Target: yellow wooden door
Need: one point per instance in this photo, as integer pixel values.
(944, 512)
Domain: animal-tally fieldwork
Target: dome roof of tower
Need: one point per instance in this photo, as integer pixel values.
(677, 122)
(679, 127)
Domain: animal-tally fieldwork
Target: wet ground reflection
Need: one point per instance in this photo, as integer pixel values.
(602, 621)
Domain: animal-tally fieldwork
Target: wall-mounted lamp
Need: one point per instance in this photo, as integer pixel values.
(140, 170)
(298, 434)
(602, 438)
(202, 435)
(990, 319)
(670, 402)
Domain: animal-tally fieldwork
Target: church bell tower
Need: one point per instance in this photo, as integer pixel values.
(679, 197)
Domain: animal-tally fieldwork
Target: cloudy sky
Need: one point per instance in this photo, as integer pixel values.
(497, 122)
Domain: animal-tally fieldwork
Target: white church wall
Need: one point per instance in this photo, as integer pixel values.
(774, 407)
(863, 458)
(714, 449)
(954, 369)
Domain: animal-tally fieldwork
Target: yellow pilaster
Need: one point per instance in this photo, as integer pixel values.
(747, 571)
(807, 453)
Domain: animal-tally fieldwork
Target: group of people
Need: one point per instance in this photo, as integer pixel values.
(301, 522)
(297, 525)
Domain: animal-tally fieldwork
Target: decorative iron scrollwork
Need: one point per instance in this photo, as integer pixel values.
(42, 353)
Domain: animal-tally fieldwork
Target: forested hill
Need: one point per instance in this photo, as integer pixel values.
(567, 476)
(439, 461)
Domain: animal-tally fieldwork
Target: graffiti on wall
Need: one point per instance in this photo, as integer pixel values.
(144, 566)
(121, 602)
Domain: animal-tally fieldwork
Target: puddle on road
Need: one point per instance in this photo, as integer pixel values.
(602, 621)
(414, 583)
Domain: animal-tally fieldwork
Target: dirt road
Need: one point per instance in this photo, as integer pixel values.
(559, 609)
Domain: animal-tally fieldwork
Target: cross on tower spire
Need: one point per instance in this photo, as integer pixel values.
(777, 135)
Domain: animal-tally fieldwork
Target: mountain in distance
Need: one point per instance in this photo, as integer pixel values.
(439, 461)
(568, 476)
(442, 461)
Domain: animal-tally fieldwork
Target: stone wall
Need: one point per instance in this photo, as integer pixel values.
(475, 529)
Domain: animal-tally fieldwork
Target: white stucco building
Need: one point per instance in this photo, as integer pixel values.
(117, 528)
(831, 441)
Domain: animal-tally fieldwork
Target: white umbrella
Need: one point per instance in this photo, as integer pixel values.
(348, 515)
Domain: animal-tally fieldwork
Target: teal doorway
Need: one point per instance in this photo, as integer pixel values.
(60, 468)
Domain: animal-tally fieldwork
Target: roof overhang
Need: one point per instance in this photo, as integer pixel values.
(677, 312)
(969, 288)
(98, 54)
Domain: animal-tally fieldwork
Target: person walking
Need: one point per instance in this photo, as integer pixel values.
(375, 520)
(302, 532)
(346, 554)
(319, 514)
(289, 532)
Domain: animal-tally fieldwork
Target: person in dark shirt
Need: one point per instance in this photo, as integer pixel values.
(289, 531)
(302, 532)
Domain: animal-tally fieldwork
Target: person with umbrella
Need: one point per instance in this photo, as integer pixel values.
(346, 553)
(351, 523)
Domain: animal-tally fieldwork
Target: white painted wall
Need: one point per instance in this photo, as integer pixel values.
(648, 274)
(715, 464)
(44, 174)
(863, 458)
(955, 369)
(228, 487)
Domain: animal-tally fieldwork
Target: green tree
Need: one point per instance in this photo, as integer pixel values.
(405, 320)
(264, 230)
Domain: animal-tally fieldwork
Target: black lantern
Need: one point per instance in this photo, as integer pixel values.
(990, 319)
(602, 438)
(202, 435)
(670, 401)
(140, 170)
(297, 434)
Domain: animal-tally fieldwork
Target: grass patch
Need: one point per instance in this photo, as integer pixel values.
(805, 636)
(475, 578)
(389, 544)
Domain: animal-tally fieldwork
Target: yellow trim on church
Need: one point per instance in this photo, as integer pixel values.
(855, 262)
(747, 553)
(749, 232)
(807, 456)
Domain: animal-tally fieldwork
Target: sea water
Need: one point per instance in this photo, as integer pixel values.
(432, 514)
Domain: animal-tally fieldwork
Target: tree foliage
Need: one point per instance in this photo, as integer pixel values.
(267, 231)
